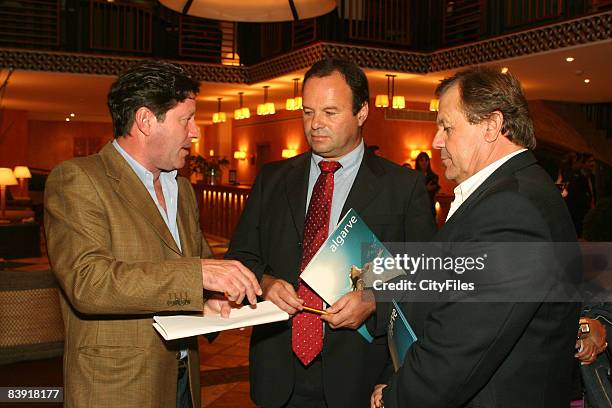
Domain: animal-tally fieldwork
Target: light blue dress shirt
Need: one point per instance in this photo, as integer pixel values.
(343, 181)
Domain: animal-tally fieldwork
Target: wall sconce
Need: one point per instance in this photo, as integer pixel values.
(434, 104)
(415, 153)
(219, 117)
(242, 112)
(294, 103)
(240, 155)
(287, 153)
(211, 152)
(397, 101)
(266, 108)
(7, 178)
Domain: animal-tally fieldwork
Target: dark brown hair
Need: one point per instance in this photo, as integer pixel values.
(159, 86)
(485, 90)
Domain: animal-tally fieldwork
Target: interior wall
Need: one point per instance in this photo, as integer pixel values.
(50, 143)
(395, 138)
(13, 138)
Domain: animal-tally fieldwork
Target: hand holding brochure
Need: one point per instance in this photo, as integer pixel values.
(344, 262)
(176, 327)
(400, 336)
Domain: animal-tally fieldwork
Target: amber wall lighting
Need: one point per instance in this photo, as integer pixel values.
(240, 155)
(7, 178)
(219, 117)
(434, 104)
(242, 112)
(415, 153)
(287, 153)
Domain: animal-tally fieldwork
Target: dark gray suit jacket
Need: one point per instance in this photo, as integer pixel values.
(391, 200)
(494, 354)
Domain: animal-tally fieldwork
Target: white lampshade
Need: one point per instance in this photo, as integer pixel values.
(22, 172)
(7, 178)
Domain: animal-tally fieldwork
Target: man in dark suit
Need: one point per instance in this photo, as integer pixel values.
(490, 354)
(272, 239)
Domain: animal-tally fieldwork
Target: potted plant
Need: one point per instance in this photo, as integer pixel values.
(208, 170)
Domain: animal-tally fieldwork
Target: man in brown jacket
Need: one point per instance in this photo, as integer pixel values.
(124, 242)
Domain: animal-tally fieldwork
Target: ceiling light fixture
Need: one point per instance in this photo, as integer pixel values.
(569, 59)
(242, 112)
(504, 70)
(294, 103)
(586, 81)
(266, 108)
(219, 117)
(397, 101)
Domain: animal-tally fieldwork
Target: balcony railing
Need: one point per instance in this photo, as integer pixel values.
(30, 23)
(220, 208)
(146, 28)
(119, 27)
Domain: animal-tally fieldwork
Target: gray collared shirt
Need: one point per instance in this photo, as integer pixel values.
(343, 181)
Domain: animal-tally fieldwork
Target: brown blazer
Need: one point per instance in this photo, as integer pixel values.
(118, 265)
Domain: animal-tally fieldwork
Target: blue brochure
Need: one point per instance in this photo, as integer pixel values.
(399, 335)
(343, 263)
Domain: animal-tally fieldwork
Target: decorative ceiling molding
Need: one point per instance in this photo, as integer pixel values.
(108, 65)
(584, 30)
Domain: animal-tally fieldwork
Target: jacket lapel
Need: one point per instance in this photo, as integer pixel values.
(297, 190)
(182, 221)
(366, 185)
(128, 186)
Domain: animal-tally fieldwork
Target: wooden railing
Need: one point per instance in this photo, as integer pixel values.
(120, 27)
(220, 207)
(463, 20)
(30, 23)
(526, 12)
(382, 21)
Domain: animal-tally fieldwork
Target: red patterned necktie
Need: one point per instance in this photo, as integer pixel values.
(307, 332)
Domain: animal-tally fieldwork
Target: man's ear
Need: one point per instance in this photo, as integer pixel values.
(495, 123)
(362, 115)
(143, 120)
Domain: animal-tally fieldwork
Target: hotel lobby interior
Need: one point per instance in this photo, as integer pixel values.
(58, 59)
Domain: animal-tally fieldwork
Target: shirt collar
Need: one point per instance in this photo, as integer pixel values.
(468, 186)
(142, 173)
(348, 161)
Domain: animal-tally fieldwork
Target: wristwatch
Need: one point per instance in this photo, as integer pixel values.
(584, 327)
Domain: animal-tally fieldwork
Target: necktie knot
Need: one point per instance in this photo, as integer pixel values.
(329, 166)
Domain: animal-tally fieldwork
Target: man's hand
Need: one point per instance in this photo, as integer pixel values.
(592, 343)
(230, 278)
(376, 400)
(281, 293)
(351, 310)
(218, 304)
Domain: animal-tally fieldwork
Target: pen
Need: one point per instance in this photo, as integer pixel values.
(310, 309)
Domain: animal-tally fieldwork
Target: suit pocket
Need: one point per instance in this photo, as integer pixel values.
(116, 375)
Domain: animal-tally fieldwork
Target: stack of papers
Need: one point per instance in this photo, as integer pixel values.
(176, 327)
